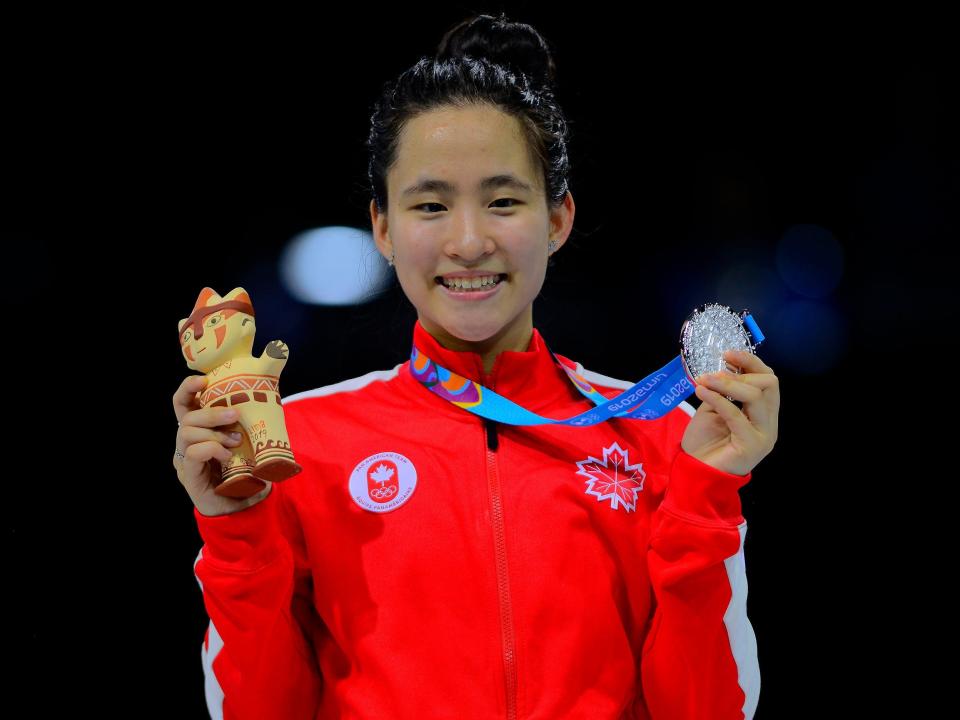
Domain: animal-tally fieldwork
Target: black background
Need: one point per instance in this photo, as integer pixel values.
(139, 150)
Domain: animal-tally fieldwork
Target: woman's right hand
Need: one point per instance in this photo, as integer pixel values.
(204, 447)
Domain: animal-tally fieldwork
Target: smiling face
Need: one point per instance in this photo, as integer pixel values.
(465, 194)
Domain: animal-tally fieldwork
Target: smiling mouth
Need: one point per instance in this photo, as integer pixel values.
(500, 278)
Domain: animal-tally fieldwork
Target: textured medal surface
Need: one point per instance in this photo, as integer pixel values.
(710, 331)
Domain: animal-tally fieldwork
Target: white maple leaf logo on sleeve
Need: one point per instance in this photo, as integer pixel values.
(613, 478)
(382, 473)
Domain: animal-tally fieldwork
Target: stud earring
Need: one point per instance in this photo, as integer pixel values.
(551, 247)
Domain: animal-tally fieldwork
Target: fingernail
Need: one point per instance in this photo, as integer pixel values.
(235, 435)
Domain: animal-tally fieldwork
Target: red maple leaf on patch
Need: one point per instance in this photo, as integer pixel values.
(613, 478)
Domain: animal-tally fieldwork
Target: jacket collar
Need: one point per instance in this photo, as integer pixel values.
(530, 378)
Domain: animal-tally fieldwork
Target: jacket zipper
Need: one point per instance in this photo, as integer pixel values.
(503, 583)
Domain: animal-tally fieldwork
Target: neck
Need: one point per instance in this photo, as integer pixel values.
(514, 336)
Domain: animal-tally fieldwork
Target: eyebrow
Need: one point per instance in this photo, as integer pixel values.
(488, 183)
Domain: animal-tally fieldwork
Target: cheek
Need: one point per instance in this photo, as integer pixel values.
(526, 241)
(528, 254)
(415, 268)
(531, 263)
(420, 252)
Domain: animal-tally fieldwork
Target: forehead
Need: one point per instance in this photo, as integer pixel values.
(462, 142)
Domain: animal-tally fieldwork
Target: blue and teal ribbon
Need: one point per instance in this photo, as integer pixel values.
(649, 399)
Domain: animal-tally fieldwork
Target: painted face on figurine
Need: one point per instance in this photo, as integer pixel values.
(217, 332)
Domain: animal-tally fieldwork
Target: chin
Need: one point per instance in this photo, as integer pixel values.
(478, 330)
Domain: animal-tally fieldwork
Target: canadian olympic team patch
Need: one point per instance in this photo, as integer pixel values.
(383, 482)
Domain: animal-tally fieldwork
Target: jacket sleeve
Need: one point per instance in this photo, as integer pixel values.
(257, 653)
(699, 657)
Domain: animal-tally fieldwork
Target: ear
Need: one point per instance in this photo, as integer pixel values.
(561, 220)
(381, 235)
(238, 293)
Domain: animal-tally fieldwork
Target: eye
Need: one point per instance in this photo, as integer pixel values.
(500, 200)
(214, 319)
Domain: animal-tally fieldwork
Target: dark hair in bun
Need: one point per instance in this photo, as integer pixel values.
(480, 60)
(515, 46)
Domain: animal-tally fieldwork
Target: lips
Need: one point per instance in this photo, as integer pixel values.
(439, 278)
(472, 295)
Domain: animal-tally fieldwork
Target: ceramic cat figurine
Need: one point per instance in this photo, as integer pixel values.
(217, 339)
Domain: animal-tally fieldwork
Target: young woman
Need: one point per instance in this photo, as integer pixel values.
(432, 563)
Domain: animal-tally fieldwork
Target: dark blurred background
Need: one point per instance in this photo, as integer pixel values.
(804, 169)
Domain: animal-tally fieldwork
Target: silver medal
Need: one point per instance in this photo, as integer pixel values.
(710, 331)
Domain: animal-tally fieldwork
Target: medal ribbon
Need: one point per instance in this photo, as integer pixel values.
(649, 399)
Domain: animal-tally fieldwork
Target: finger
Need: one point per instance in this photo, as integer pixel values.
(185, 398)
(765, 412)
(754, 403)
(209, 417)
(768, 383)
(747, 361)
(742, 387)
(736, 420)
(762, 381)
(190, 435)
(202, 452)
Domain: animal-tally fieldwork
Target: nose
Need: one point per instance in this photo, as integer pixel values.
(469, 236)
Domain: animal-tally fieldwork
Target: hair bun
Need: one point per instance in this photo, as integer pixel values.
(513, 45)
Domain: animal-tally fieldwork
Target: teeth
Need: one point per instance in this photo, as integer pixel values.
(471, 283)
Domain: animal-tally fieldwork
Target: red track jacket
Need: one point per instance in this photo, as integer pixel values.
(429, 563)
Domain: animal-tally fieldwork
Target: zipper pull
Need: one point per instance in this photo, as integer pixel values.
(493, 441)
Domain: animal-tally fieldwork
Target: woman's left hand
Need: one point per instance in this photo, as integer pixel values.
(724, 436)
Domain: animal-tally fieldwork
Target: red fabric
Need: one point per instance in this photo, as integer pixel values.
(501, 588)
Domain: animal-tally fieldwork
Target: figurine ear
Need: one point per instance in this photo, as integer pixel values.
(204, 298)
(238, 293)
